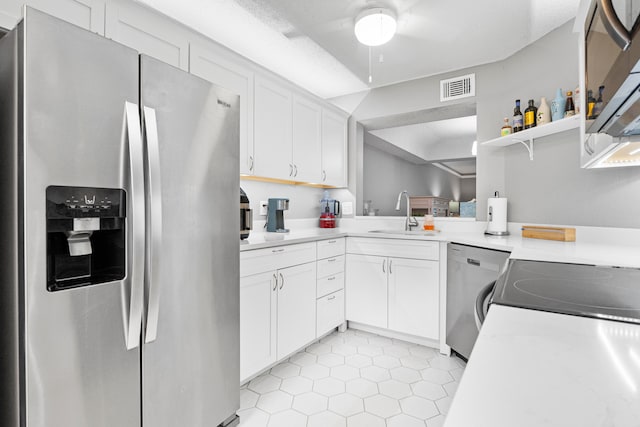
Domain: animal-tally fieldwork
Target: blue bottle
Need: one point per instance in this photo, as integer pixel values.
(557, 106)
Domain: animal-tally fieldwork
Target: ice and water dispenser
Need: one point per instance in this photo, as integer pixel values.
(85, 236)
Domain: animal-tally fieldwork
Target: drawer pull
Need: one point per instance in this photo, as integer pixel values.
(332, 297)
(331, 260)
(332, 278)
(332, 241)
(277, 250)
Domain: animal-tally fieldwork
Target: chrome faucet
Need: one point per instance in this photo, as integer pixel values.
(410, 221)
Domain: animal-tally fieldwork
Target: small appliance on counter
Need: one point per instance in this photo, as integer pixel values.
(246, 215)
(275, 215)
(497, 216)
(329, 210)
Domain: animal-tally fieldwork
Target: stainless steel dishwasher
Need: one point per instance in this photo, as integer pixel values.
(469, 270)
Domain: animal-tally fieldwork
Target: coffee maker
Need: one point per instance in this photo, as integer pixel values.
(275, 215)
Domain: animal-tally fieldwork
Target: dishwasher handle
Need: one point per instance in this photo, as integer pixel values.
(481, 299)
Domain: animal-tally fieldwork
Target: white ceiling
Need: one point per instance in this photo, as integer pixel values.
(311, 42)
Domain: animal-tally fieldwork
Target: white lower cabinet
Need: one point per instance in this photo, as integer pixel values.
(277, 304)
(296, 308)
(330, 311)
(366, 285)
(398, 293)
(258, 320)
(414, 297)
(330, 285)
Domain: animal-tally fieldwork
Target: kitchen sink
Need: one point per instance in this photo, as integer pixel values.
(407, 233)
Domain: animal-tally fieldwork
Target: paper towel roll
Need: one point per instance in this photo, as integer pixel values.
(497, 215)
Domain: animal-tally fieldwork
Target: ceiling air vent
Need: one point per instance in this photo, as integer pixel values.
(458, 87)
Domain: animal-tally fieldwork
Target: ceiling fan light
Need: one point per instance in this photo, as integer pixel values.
(375, 27)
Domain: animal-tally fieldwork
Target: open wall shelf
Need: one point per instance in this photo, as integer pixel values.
(527, 136)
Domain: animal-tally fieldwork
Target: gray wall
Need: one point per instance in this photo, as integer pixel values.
(554, 189)
(386, 175)
(550, 189)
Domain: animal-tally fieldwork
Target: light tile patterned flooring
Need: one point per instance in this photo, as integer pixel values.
(354, 379)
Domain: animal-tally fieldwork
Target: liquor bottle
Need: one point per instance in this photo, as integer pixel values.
(517, 118)
(569, 108)
(591, 103)
(530, 115)
(544, 112)
(577, 95)
(597, 109)
(506, 128)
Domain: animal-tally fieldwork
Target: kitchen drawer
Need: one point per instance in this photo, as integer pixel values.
(398, 248)
(330, 266)
(269, 259)
(330, 312)
(331, 248)
(330, 284)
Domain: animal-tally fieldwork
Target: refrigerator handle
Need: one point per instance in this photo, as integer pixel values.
(153, 262)
(137, 224)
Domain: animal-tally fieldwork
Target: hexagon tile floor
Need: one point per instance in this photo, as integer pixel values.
(354, 379)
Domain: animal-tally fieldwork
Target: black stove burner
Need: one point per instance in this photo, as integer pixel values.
(577, 289)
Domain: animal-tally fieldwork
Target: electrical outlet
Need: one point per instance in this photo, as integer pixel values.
(263, 207)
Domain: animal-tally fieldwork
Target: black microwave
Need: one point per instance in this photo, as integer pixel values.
(612, 66)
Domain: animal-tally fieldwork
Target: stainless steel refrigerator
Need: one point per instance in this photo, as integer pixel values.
(119, 296)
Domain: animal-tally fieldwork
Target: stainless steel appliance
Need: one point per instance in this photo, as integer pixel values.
(246, 215)
(583, 290)
(119, 297)
(275, 215)
(469, 269)
(612, 66)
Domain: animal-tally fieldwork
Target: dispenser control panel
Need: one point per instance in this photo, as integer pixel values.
(82, 202)
(86, 236)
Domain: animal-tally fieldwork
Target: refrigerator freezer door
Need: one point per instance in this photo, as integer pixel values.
(78, 371)
(191, 369)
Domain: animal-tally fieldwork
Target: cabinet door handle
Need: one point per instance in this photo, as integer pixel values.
(281, 281)
(324, 176)
(251, 163)
(277, 250)
(384, 263)
(290, 169)
(295, 170)
(332, 297)
(390, 264)
(275, 281)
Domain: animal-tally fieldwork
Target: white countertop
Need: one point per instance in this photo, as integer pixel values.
(532, 368)
(579, 252)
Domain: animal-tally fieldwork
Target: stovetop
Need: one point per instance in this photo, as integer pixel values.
(577, 289)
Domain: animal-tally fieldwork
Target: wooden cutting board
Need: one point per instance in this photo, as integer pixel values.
(562, 234)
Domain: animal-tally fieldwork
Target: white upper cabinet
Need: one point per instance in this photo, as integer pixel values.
(307, 140)
(147, 32)
(334, 149)
(88, 14)
(272, 130)
(213, 66)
